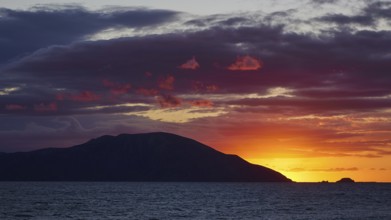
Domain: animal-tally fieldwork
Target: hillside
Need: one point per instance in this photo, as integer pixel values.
(133, 157)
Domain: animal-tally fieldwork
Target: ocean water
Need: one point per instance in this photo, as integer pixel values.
(124, 200)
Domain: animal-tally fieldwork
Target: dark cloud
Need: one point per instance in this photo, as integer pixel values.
(321, 2)
(357, 60)
(220, 20)
(14, 107)
(117, 88)
(83, 96)
(368, 16)
(23, 32)
(347, 63)
(345, 19)
(49, 107)
(378, 9)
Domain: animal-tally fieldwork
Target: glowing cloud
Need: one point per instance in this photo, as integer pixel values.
(167, 83)
(275, 92)
(42, 107)
(191, 64)
(7, 91)
(180, 115)
(245, 63)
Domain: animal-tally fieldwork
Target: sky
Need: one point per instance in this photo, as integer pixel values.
(302, 86)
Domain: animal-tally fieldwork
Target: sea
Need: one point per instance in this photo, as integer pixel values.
(167, 200)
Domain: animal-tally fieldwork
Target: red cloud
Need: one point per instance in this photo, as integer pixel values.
(51, 107)
(117, 88)
(191, 64)
(167, 83)
(14, 107)
(201, 103)
(147, 92)
(84, 96)
(246, 63)
(168, 101)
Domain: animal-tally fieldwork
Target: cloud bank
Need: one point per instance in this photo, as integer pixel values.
(251, 77)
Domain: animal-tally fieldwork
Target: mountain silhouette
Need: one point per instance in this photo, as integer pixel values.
(345, 180)
(133, 157)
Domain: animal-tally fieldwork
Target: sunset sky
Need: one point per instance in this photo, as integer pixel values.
(300, 86)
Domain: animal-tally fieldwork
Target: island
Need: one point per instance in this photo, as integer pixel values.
(134, 157)
(345, 180)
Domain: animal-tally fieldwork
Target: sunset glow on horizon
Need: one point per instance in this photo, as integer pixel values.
(303, 89)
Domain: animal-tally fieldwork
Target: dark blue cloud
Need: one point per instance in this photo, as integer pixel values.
(345, 19)
(368, 16)
(23, 32)
(321, 2)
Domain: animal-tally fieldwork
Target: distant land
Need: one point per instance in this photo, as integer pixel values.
(134, 157)
(345, 180)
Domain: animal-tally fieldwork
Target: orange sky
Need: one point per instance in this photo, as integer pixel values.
(311, 149)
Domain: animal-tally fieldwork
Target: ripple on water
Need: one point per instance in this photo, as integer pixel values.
(23, 200)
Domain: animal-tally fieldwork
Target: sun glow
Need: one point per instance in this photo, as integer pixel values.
(329, 168)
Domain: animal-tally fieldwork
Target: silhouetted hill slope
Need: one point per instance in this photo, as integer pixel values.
(133, 157)
(345, 180)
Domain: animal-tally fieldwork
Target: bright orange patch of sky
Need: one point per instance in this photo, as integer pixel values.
(294, 155)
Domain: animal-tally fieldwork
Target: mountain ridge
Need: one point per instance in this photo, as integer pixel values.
(157, 156)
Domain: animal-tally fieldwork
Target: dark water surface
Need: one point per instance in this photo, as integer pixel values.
(123, 200)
